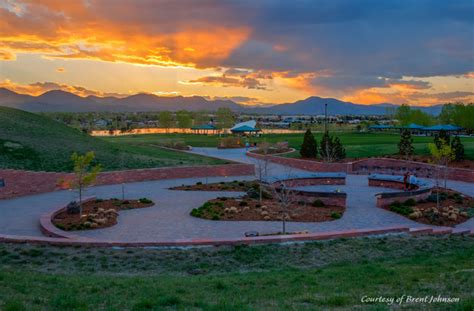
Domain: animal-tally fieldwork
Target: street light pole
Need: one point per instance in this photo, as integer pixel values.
(325, 117)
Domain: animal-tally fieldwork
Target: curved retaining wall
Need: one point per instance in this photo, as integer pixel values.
(20, 183)
(328, 198)
(423, 189)
(371, 165)
(307, 165)
(50, 230)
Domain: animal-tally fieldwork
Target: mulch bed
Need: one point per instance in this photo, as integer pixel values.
(235, 185)
(455, 208)
(97, 214)
(246, 208)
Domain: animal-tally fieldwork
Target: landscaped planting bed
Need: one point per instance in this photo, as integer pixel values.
(268, 209)
(454, 208)
(235, 185)
(96, 214)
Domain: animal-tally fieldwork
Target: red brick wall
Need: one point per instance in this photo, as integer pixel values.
(385, 165)
(20, 183)
(313, 182)
(372, 165)
(381, 202)
(388, 184)
(310, 197)
(308, 165)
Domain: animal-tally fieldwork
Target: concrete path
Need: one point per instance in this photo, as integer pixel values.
(169, 219)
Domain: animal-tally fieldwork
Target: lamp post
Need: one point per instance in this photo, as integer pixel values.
(325, 117)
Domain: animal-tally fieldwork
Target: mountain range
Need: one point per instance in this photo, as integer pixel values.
(62, 101)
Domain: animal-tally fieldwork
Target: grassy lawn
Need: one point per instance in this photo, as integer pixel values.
(311, 276)
(32, 142)
(357, 144)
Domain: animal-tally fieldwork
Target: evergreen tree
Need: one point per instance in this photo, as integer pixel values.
(339, 150)
(458, 149)
(326, 149)
(442, 136)
(309, 148)
(405, 146)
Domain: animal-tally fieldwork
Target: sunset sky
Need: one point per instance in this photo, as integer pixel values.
(415, 52)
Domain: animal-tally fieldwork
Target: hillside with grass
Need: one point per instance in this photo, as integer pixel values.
(32, 142)
(323, 275)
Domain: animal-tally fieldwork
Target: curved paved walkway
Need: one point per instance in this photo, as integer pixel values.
(169, 219)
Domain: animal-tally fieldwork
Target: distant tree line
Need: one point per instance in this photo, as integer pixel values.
(457, 114)
(126, 121)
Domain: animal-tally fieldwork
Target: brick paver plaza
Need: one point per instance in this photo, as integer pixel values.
(169, 219)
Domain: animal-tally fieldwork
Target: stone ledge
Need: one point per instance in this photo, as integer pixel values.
(205, 241)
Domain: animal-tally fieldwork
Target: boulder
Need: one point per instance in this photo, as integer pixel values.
(453, 217)
(266, 218)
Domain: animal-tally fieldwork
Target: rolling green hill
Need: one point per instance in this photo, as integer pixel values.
(32, 142)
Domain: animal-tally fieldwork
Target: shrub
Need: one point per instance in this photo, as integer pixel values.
(410, 202)
(405, 146)
(243, 203)
(335, 215)
(339, 150)
(99, 200)
(309, 148)
(318, 203)
(145, 201)
(215, 217)
(400, 208)
(199, 183)
(458, 149)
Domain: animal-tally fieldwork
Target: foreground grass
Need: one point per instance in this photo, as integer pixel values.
(357, 144)
(32, 142)
(319, 275)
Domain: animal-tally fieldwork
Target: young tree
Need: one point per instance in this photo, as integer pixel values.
(84, 173)
(201, 117)
(326, 149)
(165, 119)
(442, 136)
(405, 146)
(261, 167)
(183, 119)
(458, 149)
(309, 148)
(339, 150)
(285, 196)
(440, 157)
(225, 117)
(403, 114)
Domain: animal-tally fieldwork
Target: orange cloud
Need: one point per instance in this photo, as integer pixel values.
(70, 29)
(60, 69)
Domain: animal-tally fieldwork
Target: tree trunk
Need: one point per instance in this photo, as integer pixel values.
(437, 186)
(80, 199)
